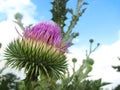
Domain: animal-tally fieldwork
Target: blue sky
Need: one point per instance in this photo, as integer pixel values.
(101, 22)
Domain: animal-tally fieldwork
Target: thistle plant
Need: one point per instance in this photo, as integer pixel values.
(40, 51)
(79, 78)
(59, 15)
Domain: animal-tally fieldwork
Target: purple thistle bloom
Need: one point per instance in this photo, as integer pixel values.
(47, 32)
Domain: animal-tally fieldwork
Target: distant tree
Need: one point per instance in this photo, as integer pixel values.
(117, 67)
(8, 82)
(117, 87)
(0, 45)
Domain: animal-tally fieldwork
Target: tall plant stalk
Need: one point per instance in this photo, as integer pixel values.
(59, 15)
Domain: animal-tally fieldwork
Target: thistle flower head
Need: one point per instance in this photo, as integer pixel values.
(39, 52)
(47, 32)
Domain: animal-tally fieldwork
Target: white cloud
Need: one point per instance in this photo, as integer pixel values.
(106, 57)
(9, 8)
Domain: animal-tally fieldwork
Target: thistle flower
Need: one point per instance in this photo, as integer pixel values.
(40, 52)
(47, 32)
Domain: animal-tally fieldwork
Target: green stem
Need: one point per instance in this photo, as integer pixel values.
(74, 17)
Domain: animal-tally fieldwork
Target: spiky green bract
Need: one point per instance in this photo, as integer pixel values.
(36, 58)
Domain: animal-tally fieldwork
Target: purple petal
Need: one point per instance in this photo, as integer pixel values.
(47, 32)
